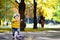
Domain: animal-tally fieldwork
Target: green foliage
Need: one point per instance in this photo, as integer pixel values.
(5, 6)
(56, 17)
(42, 6)
(1, 14)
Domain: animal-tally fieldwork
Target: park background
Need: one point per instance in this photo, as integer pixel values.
(49, 8)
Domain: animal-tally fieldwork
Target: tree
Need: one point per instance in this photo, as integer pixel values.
(22, 16)
(56, 16)
(1, 15)
(35, 20)
(5, 11)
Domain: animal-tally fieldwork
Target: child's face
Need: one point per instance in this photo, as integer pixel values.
(16, 17)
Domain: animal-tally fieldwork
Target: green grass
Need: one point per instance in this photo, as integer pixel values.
(40, 29)
(5, 29)
(29, 29)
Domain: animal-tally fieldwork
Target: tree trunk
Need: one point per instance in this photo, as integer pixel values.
(35, 19)
(22, 16)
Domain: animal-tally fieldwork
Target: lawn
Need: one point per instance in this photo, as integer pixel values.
(29, 29)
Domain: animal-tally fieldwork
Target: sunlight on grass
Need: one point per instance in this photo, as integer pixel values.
(29, 29)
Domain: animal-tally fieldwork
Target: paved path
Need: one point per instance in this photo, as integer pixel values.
(44, 35)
